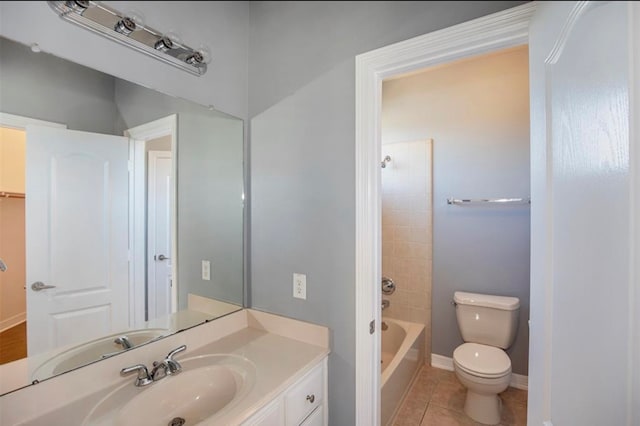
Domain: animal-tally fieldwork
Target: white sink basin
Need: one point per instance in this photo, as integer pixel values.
(206, 386)
(94, 350)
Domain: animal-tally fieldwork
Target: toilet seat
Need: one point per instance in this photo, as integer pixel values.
(482, 360)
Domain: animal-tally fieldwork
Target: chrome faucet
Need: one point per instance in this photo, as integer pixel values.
(173, 366)
(143, 378)
(124, 341)
(3, 266)
(385, 304)
(168, 366)
(160, 369)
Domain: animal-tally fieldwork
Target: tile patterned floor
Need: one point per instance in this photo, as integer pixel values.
(436, 398)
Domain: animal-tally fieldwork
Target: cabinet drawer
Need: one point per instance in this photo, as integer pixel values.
(304, 396)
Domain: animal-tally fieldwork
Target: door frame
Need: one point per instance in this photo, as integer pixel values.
(497, 31)
(151, 224)
(138, 197)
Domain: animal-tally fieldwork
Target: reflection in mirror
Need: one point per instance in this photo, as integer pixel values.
(121, 215)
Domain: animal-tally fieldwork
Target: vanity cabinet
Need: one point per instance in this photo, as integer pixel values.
(304, 403)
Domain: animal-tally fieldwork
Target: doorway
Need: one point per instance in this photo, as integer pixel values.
(457, 130)
(154, 227)
(487, 34)
(159, 217)
(17, 341)
(13, 305)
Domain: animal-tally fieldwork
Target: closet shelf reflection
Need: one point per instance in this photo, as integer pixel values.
(4, 194)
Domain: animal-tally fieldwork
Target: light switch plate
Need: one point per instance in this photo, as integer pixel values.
(300, 286)
(206, 270)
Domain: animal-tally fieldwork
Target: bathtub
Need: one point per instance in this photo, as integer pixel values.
(402, 356)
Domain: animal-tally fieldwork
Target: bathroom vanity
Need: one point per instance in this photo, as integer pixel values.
(247, 368)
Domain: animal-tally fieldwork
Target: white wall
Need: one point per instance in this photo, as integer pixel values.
(222, 26)
(477, 112)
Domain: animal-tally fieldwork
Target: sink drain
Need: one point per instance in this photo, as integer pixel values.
(178, 421)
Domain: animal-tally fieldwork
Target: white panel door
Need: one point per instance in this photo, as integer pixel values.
(77, 236)
(159, 233)
(582, 220)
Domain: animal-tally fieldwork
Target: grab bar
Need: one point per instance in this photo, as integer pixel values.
(502, 201)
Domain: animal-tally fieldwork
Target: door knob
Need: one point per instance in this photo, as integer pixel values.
(160, 257)
(39, 285)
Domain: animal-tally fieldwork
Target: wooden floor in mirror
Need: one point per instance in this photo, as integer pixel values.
(13, 343)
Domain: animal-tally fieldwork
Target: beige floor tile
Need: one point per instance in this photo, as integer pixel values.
(439, 416)
(436, 398)
(443, 375)
(408, 416)
(448, 394)
(517, 396)
(424, 384)
(514, 414)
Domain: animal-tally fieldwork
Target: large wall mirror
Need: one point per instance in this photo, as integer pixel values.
(121, 215)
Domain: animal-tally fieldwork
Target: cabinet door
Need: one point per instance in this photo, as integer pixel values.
(315, 418)
(304, 396)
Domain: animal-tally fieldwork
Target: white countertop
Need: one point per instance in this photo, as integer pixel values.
(282, 350)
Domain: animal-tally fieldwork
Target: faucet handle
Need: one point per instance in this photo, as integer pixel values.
(177, 350)
(143, 378)
(173, 366)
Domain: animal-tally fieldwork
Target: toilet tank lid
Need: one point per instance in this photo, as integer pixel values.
(486, 300)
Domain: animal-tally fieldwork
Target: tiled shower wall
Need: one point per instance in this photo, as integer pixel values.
(407, 232)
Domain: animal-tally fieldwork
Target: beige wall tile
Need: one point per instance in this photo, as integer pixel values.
(407, 234)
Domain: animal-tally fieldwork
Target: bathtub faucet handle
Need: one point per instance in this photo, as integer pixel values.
(385, 304)
(388, 286)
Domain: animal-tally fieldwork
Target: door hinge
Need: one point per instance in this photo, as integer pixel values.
(372, 327)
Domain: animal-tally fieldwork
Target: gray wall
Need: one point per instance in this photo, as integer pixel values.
(45, 87)
(302, 109)
(223, 26)
(477, 112)
(210, 168)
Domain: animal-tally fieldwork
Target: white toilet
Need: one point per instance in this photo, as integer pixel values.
(488, 325)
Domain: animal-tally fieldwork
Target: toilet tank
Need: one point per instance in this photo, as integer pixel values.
(487, 319)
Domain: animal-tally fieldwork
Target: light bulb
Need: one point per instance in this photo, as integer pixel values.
(125, 26)
(137, 17)
(78, 6)
(205, 52)
(174, 37)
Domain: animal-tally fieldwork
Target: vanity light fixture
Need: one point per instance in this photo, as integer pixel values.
(129, 30)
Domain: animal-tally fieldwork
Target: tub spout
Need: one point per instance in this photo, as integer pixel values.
(385, 304)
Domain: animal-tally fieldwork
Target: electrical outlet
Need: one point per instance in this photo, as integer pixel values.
(206, 270)
(300, 286)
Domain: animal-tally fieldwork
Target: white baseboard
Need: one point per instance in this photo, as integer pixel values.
(518, 381)
(12, 321)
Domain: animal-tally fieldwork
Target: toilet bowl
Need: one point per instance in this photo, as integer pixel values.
(488, 325)
(485, 371)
